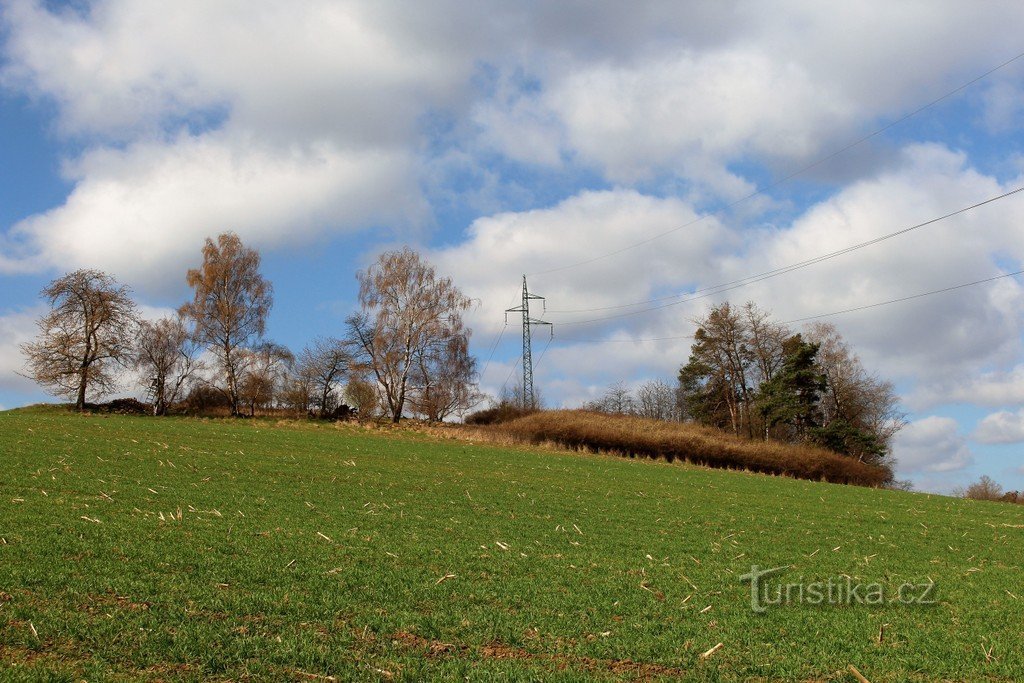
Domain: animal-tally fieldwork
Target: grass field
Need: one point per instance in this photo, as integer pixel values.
(180, 549)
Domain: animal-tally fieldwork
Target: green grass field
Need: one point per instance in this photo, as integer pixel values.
(180, 549)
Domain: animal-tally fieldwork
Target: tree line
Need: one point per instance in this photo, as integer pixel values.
(404, 351)
(755, 377)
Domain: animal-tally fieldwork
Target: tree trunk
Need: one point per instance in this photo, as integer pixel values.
(80, 401)
(323, 401)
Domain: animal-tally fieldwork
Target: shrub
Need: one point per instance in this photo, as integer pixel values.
(204, 397)
(634, 436)
(984, 489)
(503, 412)
(121, 406)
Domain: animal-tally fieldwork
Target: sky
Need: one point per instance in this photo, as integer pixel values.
(613, 152)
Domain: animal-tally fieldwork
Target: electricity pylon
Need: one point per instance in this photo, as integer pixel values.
(524, 308)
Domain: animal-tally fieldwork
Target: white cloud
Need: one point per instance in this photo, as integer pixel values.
(143, 212)
(16, 328)
(676, 111)
(1001, 427)
(931, 444)
(678, 102)
(264, 109)
(952, 335)
(990, 389)
(944, 339)
(309, 68)
(490, 262)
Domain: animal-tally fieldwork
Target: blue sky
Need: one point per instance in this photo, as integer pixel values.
(505, 139)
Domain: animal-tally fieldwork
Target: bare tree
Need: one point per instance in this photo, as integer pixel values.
(443, 380)
(230, 305)
(297, 392)
(325, 362)
(854, 397)
(515, 396)
(616, 399)
(404, 310)
(264, 370)
(166, 356)
(657, 400)
(766, 341)
(85, 336)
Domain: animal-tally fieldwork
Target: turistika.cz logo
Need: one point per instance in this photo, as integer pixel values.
(834, 591)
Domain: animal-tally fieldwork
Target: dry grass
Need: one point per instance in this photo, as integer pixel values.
(635, 436)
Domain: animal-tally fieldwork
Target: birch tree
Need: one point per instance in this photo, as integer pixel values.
(230, 306)
(405, 309)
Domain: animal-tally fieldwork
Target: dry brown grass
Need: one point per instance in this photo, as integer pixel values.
(641, 437)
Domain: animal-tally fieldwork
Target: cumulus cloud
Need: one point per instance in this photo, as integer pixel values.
(16, 328)
(694, 106)
(991, 389)
(931, 339)
(931, 445)
(319, 110)
(277, 120)
(498, 249)
(939, 340)
(143, 212)
(1001, 427)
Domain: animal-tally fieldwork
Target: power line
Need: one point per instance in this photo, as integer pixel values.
(550, 339)
(494, 347)
(510, 373)
(792, 175)
(878, 304)
(906, 298)
(775, 272)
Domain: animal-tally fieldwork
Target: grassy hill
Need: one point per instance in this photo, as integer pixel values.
(183, 549)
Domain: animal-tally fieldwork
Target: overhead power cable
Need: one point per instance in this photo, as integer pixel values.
(865, 307)
(775, 272)
(494, 347)
(794, 174)
(906, 298)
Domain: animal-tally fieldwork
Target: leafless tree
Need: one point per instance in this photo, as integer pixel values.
(264, 369)
(852, 393)
(443, 380)
(616, 399)
(230, 305)
(325, 362)
(515, 396)
(657, 400)
(167, 358)
(85, 336)
(765, 342)
(405, 309)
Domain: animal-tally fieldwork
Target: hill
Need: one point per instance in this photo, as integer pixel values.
(186, 549)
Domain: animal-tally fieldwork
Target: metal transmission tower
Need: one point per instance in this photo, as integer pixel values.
(524, 308)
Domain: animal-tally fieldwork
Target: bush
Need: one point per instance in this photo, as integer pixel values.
(121, 406)
(635, 436)
(204, 397)
(503, 412)
(984, 489)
